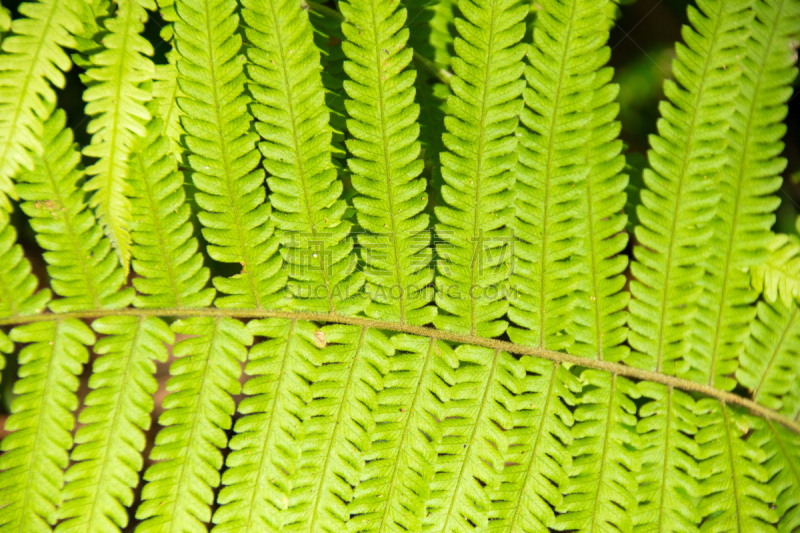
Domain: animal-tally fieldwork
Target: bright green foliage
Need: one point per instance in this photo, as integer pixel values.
(473, 233)
(37, 452)
(727, 455)
(32, 61)
(292, 120)
(266, 450)
(667, 482)
(598, 326)
(205, 374)
(328, 37)
(535, 477)
(770, 364)
(166, 92)
(107, 457)
(396, 481)
(18, 285)
(236, 220)
(118, 83)
(681, 193)
(5, 20)
(744, 214)
(165, 251)
(321, 494)
(779, 275)
(352, 418)
(547, 201)
(504, 413)
(83, 270)
(782, 450)
(385, 162)
(602, 474)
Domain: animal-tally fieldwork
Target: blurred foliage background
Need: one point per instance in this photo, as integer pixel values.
(642, 42)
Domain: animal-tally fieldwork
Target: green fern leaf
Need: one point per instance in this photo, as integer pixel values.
(741, 227)
(667, 488)
(83, 269)
(681, 189)
(166, 92)
(779, 275)
(598, 325)
(18, 295)
(107, 457)
(553, 139)
(165, 253)
(5, 20)
(726, 454)
(384, 163)
(266, 449)
(605, 461)
(349, 428)
(770, 363)
(118, 91)
(782, 463)
(37, 452)
(231, 194)
(197, 412)
(33, 60)
(397, 479)
(535, 477)
(293, 122)
(474, 226)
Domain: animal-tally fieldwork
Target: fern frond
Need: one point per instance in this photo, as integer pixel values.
(266, 449)
(535, 477)
(474, 226)
(552, 159)
(107, 457)
(293, 122)
(667, 488)
(118, 91)
(770, 362)
(167, 92)
(5, 20)
(349, 427)
(165, 252)
(725, 453)
(504, 411)
(18, 294)
(741, 227)
(397, 479)
(36, 453)
(598, 326)
(385, 162)
(33, 60)
(197, 412)
(782, 450)
(681, 189)
(601, 492)
(779, 275)
(83, 270)
(221, 150)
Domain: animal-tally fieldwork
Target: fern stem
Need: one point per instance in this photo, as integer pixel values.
(559, 357)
